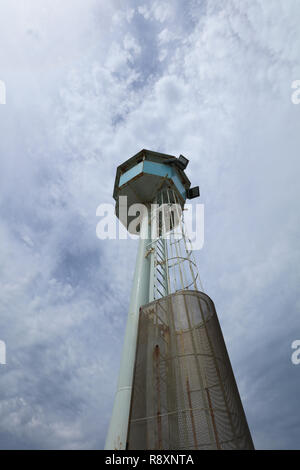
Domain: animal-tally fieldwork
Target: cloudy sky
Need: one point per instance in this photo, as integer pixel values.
(89, 83)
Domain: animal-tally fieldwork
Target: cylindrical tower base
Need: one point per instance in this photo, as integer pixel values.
(184, 391)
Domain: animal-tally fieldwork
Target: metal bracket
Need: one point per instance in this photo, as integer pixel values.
(148, 252)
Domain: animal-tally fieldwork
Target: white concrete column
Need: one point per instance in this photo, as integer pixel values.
(117, 432)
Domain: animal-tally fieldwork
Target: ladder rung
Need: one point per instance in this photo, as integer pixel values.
(157, 279)
(162, 275)
(160, 250)
(159, 291)
(160, 258)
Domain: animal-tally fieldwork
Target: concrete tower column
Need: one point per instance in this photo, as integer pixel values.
(117, 432)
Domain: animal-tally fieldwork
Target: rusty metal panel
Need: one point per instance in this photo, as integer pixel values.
(184, 391)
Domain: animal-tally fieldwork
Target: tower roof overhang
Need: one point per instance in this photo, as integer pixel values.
(141, 178)
(149, 155)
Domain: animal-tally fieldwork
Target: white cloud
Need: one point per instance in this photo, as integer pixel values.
(159, 11)
(143, 10)
(131, 45)
(166, 36)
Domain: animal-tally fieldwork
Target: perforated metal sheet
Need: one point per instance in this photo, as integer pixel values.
(184, 391)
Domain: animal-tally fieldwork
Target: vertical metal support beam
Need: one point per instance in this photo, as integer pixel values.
(118, 428)
(152, 247)
(158, 404)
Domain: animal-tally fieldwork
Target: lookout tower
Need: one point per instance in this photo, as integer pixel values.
(176, 387)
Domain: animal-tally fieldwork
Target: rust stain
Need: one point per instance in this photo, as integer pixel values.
(191, 412)
(213, 419)
(158, 414)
